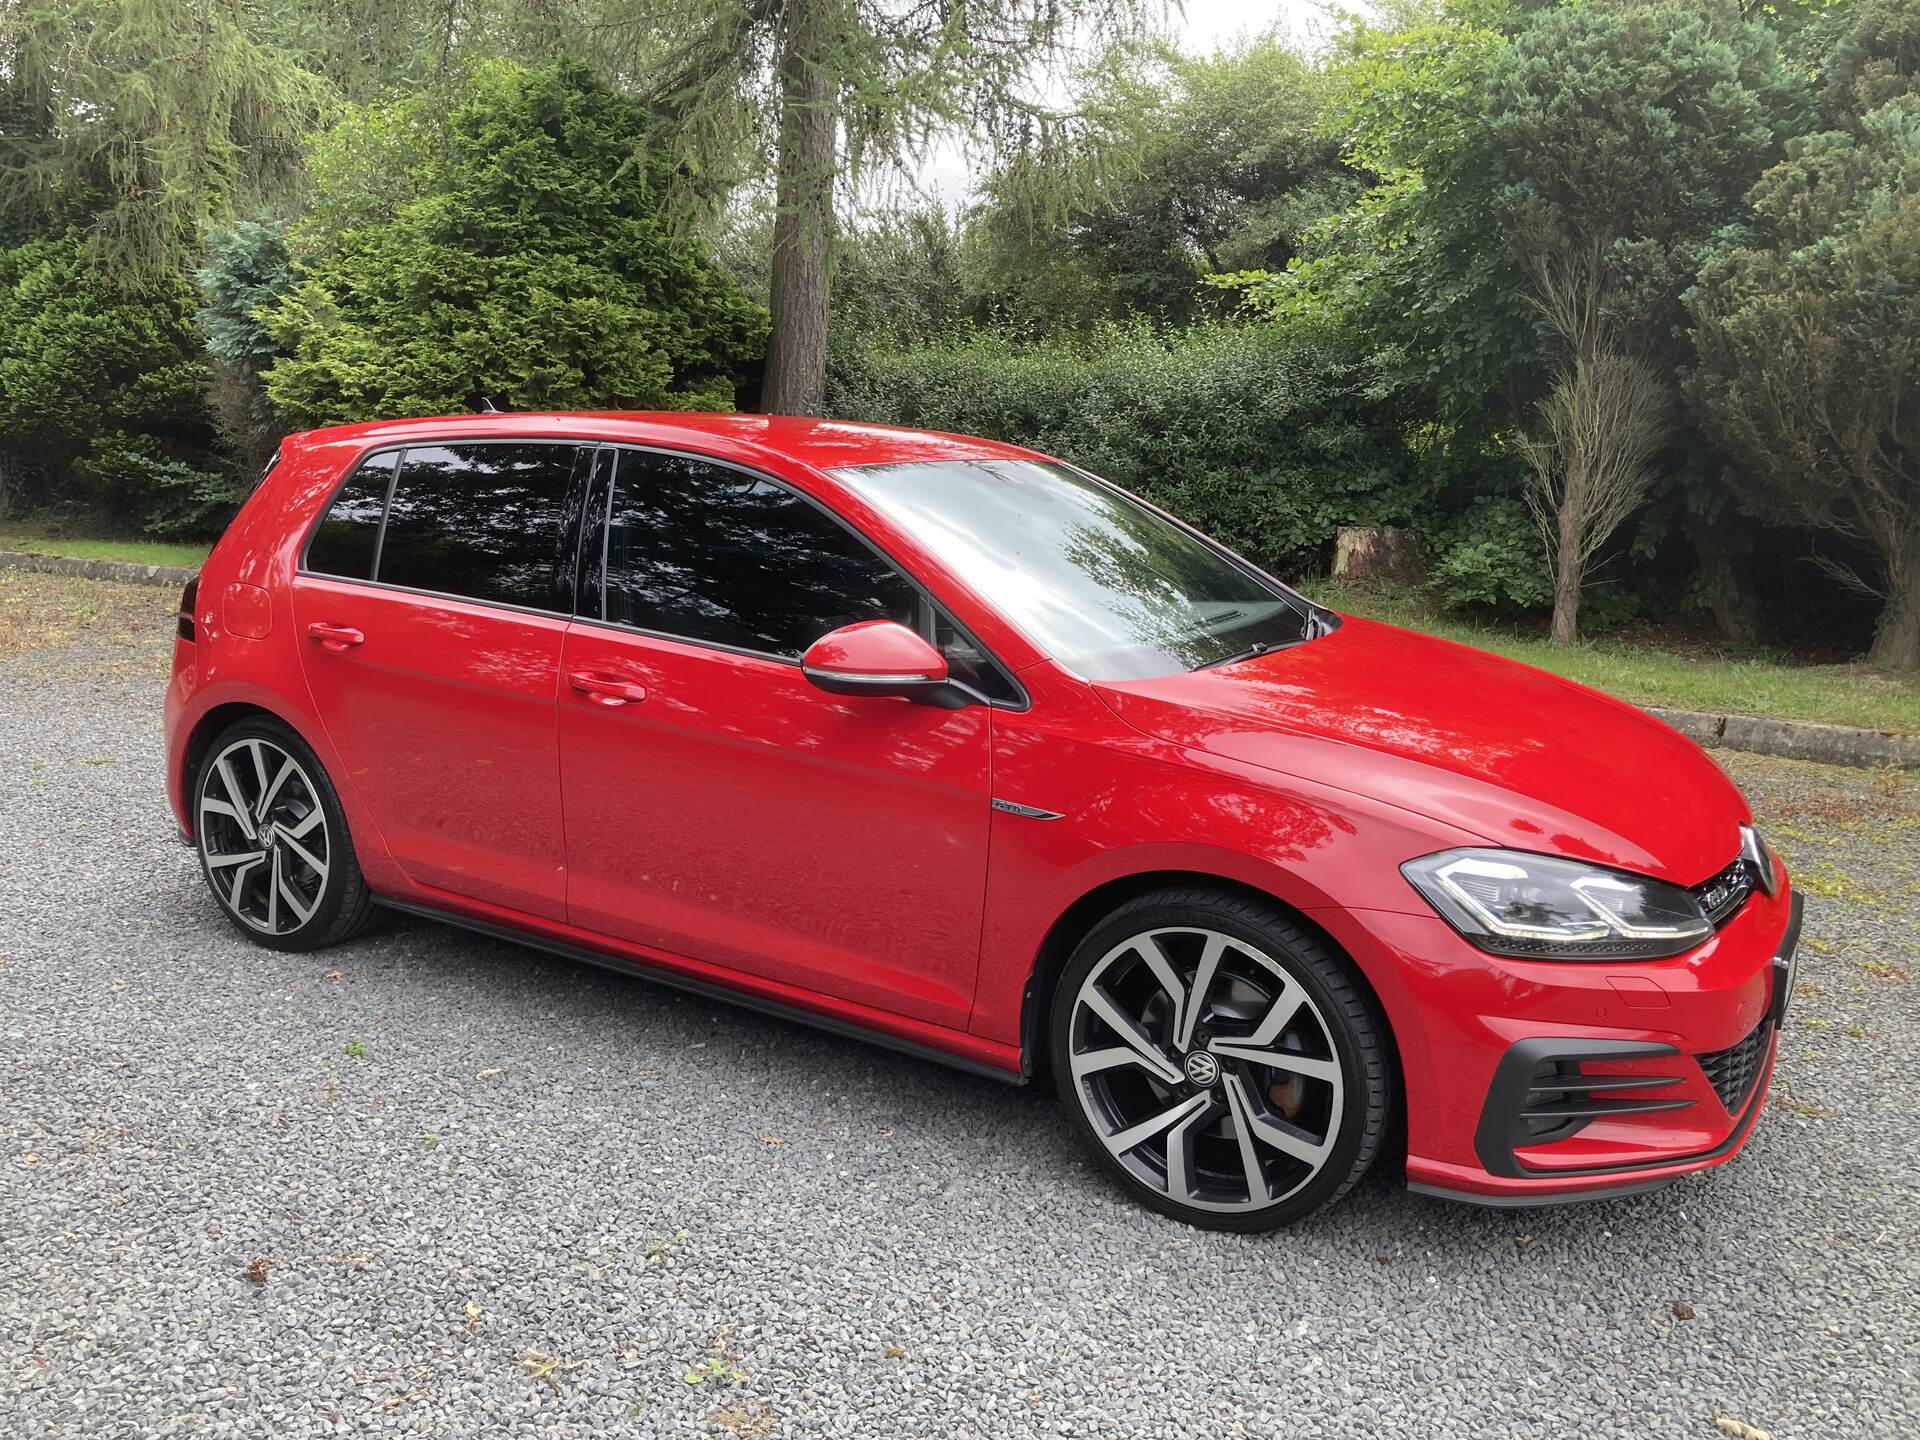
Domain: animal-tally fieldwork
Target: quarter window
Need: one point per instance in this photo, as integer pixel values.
(701, 552)
(345, 542)
(484, 522)
(968, 663)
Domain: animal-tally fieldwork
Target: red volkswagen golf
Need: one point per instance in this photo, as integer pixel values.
(948, 745)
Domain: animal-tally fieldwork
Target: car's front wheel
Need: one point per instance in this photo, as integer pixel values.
(1224, 1065)
(273, 840)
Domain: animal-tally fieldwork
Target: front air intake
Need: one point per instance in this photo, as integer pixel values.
(1733, 1070)
(1561, 1099)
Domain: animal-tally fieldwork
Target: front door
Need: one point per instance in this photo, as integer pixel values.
(432, 647)
(720, 807)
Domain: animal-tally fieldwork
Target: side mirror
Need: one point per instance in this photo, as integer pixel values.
(876, 657)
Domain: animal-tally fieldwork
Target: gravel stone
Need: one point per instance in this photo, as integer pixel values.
(551, 1201)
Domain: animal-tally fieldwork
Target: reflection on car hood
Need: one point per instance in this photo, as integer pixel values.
(1496, 748)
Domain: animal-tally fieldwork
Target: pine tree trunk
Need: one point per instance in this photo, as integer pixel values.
(1569, 572)
(796, 376)
(1896, 640)
(1735, 603)
(1736, 609)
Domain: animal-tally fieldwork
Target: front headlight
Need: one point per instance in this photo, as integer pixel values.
(1542, 907)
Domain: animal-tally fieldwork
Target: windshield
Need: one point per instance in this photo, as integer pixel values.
(1101, 583)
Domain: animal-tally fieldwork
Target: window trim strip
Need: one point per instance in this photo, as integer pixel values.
(393, 589)
(386, 509)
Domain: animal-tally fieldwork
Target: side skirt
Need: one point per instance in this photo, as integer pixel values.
(832, 1024)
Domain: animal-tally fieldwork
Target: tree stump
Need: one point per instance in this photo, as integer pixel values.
(1377, 555)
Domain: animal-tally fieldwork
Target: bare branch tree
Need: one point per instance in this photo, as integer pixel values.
(1607, 416)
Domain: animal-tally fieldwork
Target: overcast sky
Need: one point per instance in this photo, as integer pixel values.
(1203, 26)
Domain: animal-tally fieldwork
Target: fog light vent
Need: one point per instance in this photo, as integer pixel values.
(1733, 1070)
(1561, 1099)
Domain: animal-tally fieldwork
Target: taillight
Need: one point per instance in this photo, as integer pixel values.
(188, 598)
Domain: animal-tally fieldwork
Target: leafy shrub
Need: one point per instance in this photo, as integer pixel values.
(1490, 554)
(516, 244)
(100, 400)
(173, 495)
(1264, 441)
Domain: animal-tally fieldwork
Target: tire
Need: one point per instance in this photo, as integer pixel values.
(284, 873)
(1206, 1116)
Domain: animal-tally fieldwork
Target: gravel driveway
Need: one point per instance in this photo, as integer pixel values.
(427, 1183)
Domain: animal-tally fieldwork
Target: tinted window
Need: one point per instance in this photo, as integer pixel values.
(487, 522)
(701, 552)
(1103, 584)
(344, 543)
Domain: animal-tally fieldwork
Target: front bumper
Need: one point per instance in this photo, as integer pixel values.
(1532, 1083)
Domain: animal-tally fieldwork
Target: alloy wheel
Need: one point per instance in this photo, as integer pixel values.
(1206, 1069)
(263, 836)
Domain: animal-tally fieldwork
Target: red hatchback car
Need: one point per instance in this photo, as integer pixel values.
(952, 746)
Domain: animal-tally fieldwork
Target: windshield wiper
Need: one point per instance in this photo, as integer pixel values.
(1259, 647)
(1312, 628)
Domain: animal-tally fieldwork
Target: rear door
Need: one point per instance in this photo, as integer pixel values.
(432, 606)
(722, 808)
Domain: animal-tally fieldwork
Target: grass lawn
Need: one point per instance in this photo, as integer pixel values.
(1693, 679)
(139, 552)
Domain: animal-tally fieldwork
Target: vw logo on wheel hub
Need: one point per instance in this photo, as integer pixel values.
(1202, 1068)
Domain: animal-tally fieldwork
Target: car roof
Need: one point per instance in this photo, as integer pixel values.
(824, 444)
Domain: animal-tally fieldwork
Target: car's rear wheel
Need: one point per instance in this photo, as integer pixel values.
(273, 840)
(1222, 1062)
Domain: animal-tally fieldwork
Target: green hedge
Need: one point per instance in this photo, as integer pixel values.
(1264, 441)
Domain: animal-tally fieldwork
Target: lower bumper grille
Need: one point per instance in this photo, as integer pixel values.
(1733, 1070)
(1560, 1099)
(1542, 1091)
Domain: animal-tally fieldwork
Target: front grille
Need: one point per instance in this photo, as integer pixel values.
(1733, 1070)
(1722, 894)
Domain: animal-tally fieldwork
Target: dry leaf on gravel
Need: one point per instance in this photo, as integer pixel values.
(541, 1366)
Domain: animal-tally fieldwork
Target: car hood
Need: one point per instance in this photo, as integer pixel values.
(1504, 751)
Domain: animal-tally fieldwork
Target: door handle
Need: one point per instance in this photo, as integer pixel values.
(606, 690)
(334, 637)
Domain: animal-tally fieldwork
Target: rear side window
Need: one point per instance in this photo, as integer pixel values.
(701, 552)
(348, 537)
(484, 522)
